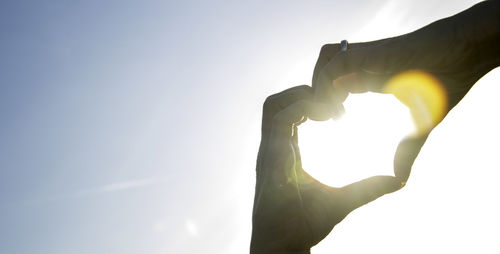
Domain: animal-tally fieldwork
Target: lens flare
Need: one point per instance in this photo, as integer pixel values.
(423, 94)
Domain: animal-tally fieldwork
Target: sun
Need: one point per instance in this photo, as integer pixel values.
(360, 145)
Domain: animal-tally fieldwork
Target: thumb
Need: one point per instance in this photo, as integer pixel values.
(406, 153)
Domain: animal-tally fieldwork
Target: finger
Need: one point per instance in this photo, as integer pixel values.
(334, 96)
(328, 51)
(273, 105)
(281, 156)
(362, 82)
(284, 125)
(331, 85)
(360, 193)
(359, 82)
(406, 153)
(342, 64)
(352, 83)
(366, 60)
(295, 145)
(325, 55)
(281, 100)
(286, 119)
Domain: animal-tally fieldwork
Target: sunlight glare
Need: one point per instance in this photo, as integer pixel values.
(360, 145)
(423, 94)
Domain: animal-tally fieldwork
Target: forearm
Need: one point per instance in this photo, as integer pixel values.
(480, 26)
(462, 42)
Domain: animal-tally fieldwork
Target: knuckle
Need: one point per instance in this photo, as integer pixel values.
(269, 103)
(290, 114)
(328, 49)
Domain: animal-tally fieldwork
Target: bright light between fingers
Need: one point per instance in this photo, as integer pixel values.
(360, 145)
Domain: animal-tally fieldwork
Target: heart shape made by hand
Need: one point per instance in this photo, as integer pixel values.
(365, 140)
(359, 145)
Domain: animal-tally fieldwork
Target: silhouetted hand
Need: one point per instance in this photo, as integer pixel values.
(458, 51)
(293, 211)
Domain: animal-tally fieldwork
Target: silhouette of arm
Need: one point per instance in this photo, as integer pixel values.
(292, 211)
(481, 28)
(461, 48)
(457, 50)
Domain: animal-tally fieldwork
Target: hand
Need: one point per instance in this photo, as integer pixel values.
(293, 211)
(457, 51)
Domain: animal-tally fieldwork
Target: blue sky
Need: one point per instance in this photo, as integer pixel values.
(133, 126)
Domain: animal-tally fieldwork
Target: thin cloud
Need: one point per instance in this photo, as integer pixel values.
(129, 184)
(112, 187)
(120, 186)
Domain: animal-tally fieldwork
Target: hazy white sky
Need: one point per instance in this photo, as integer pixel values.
(133, 127)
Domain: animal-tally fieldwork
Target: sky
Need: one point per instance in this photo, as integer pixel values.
(133, 127)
